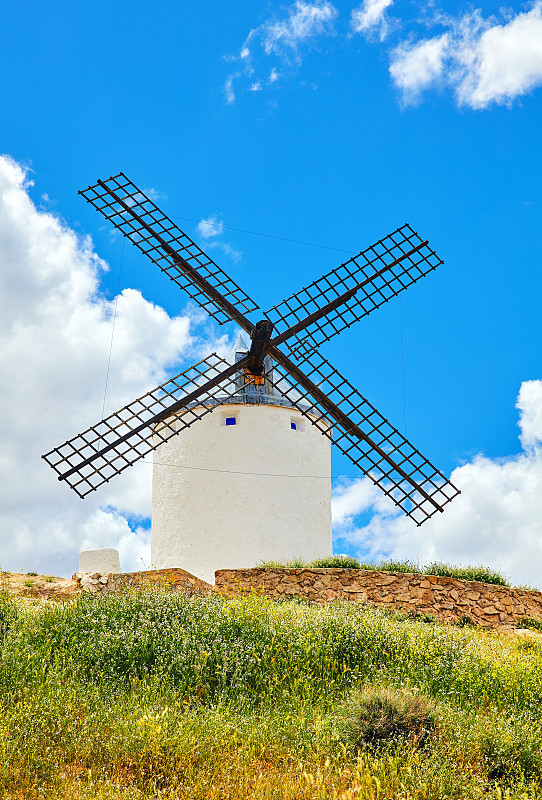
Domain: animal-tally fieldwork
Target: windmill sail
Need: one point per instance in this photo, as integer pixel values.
(158, 237)
(384, 269)
(363, 435)
(93, 457)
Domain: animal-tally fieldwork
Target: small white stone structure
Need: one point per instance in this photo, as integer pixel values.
(249, 482)
(104, 561)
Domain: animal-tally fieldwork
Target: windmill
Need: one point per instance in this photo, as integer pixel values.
(283, 358)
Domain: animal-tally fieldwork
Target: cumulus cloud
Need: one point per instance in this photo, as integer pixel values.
(497, 520)
(484, 61)
(286, 39)
(55, 338)
(370, 17)
(415, 68)
(530, 407)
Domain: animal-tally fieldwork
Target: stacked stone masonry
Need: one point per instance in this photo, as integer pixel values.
(175, 579)
(447, 599)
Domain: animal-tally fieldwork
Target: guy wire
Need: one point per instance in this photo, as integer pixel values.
(238, 472)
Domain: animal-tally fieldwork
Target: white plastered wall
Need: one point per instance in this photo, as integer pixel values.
(257, 490)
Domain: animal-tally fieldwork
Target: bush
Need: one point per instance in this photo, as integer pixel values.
(510, 754)
(346, 562)
(293, 563)
(530, 622)
(398, 566)
(379, 716)
(468, 573)
(466, 622)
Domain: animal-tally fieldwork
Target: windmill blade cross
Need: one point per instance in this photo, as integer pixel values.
(302, 322)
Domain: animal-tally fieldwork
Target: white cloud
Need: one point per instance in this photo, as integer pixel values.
(484, 61)
(505, 61)
(305, 23)
(371, 16)
(529, 404)
(210, 226)
(105, 527)
(497, 520)
(55, 336)
(415, 68)
(229, 89)
(235, 255)
(287, 39)
(154, 194)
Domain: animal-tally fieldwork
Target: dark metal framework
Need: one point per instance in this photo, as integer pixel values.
(98, 454)
(157, 236)
(354, 289)
(367, 438)
(302, 322)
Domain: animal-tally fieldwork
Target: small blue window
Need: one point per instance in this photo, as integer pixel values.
(293, 426)
(230, 420)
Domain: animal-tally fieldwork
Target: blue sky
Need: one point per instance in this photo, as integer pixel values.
(331, 124)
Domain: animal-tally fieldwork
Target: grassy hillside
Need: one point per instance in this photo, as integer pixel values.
(156, 695)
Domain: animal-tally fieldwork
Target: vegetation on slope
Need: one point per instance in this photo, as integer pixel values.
(467, 573)
(157, 695)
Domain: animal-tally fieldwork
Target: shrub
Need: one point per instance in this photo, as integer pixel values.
(508, 754)
(466, 622)
(379, 716)
(346, 562)
(530, 622)
(468, 573)
(398, 566)
(293, 563)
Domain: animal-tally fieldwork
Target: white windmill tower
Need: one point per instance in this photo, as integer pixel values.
(249, 482)
(248, 479)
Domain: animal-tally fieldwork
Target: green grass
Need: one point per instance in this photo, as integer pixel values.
(530, 622)
(156, 695)
(469, 573)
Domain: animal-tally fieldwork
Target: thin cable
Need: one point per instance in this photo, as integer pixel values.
(402, 361)
(269, 236)
(112, 333)
(236, 472)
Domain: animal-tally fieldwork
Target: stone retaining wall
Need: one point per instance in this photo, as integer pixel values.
(175, 579)
(448, 599)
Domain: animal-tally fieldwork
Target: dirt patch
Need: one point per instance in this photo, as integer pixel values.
(49, 587)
